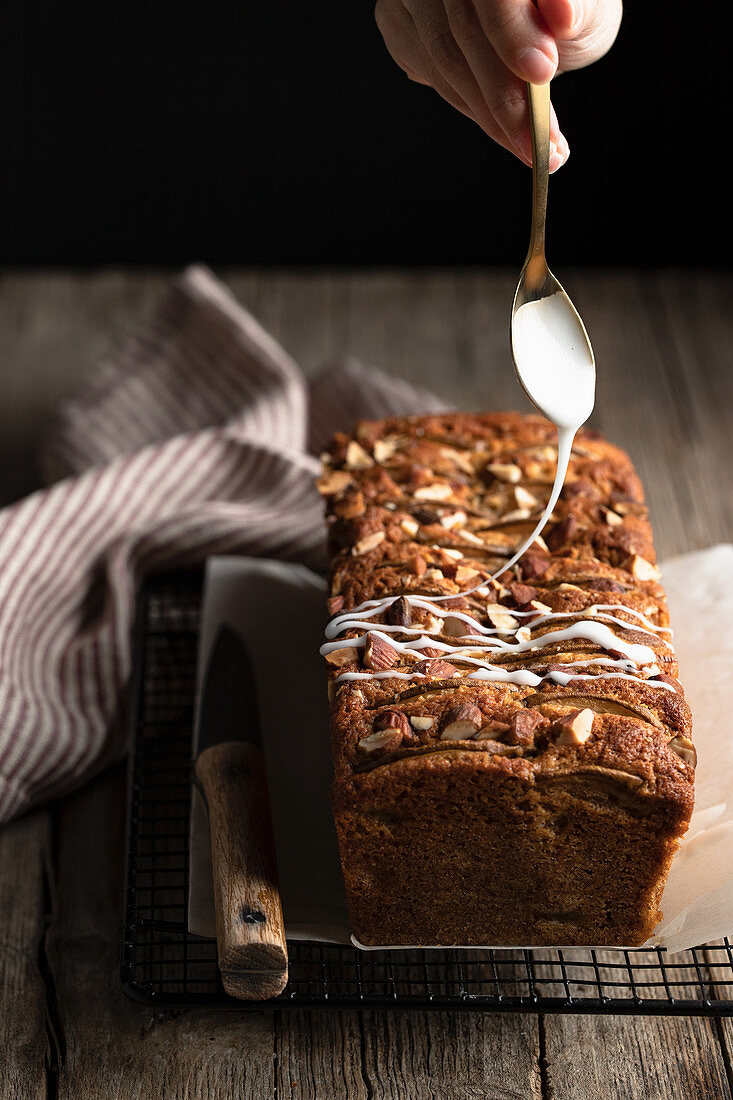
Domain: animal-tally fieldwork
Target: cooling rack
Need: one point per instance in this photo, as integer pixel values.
(164, 964)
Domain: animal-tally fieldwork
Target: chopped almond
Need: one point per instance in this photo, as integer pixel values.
(575, 728)
(357, 458)
(367, 543)
(505, 471)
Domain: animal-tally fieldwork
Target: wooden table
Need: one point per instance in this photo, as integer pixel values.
(665, 393)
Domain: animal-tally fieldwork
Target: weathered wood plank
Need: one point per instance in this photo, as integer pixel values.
(112, 1046)
(452, 1056)
(319, 1053)
(621, 1057)
(25, 1050)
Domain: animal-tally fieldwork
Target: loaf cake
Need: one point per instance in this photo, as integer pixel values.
(513, 756)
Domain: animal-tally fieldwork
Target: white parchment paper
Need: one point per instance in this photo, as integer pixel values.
(279, 611)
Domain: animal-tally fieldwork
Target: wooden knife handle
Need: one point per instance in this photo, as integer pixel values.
(249, 921)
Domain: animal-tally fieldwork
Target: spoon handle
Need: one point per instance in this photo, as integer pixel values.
(538, 98)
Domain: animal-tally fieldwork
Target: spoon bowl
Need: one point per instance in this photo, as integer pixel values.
(552, 354)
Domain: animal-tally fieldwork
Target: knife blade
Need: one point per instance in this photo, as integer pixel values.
(230, 771)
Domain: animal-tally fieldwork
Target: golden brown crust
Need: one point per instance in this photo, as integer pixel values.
(434, 506)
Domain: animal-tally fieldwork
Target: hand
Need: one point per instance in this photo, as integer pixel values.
(478, 54)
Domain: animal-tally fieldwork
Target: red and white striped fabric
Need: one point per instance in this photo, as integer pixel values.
(198, 438)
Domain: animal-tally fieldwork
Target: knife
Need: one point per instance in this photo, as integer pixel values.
(230, 772)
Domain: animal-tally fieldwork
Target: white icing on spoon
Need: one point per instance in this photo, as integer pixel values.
(555, 365)
(554, 360)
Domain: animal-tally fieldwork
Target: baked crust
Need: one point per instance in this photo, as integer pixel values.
(433, 506)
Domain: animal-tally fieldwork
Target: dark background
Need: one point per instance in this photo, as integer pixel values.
(282, 133)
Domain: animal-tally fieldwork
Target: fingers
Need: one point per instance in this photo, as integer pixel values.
(425, 49)
(584, 29)
(452, 66)
(520, 36)
(404, 46)
(503, 93)
(562, 17)
(444, 43)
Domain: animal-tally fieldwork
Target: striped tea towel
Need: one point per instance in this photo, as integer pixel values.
(199, 437)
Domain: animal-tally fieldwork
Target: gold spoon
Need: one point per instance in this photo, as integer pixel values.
(536, 282)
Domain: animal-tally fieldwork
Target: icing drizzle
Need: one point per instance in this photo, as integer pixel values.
(636, 661)
(627, 661)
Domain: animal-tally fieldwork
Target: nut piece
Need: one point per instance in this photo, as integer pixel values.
(685, 749)
(379, 655)
(367, 543)
(463, 723)
(575, 728)
(440, 490)
(533, 565)
(501, 619)
(416, 565)
(380, 742)
(410, 526)
(524, 498)
(492, 731)
(335, 604)
(333, 481)
(629, 507)
(436, 669)
(350, 506)
(613, 519)
(457, 628)
(339, 657)
(433, 625)
(505, 471)
(562, 533)
(422, 722)
(385, 448)
(465, 575)
(399, 613)
(458, 459)
(392, 719)
(357, 458)
(453, 520)
(473, 540)
(642, 569)
(665, 678)
(522, 593)
(516, 516)
(523, 727)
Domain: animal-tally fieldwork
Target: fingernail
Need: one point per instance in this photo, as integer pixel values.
(576, 13)
(536, 66)
(563, 147)
(556, 160)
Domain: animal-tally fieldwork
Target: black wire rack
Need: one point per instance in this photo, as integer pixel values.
(164, 964)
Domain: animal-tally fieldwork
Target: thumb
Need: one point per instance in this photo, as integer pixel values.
(583, 29)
